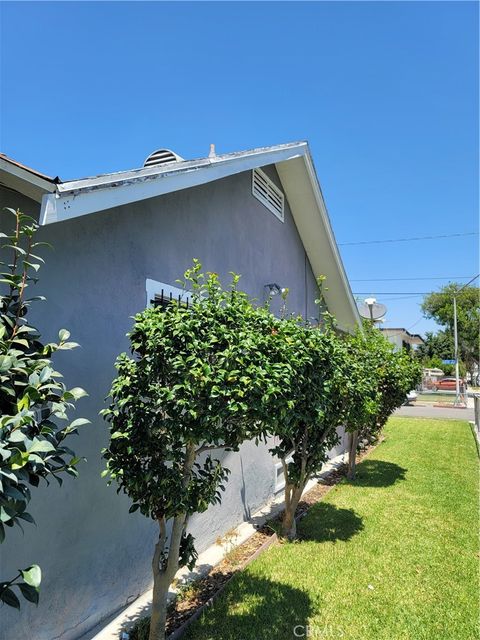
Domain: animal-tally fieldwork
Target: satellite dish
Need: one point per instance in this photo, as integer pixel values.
(372, 310)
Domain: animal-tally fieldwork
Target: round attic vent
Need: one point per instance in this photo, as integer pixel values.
(161, 156)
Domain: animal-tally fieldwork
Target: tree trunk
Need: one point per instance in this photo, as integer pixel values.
(158, 619)
(293, 493)
(160, 586)
(164, 569)
(352, 454)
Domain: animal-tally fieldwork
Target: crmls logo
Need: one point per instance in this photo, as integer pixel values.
(314, 631)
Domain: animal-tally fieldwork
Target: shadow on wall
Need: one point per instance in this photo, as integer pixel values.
(327, 523)
(377, 473)
(267, 610)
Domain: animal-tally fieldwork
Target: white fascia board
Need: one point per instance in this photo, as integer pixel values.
(24, 181)
(81, 197)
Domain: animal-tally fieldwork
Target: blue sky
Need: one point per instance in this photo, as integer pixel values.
(385, 93)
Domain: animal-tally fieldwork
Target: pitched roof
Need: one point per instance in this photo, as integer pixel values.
(294, 164)
(26, 180)
(416, 337)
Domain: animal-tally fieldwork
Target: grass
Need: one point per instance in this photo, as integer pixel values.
(392, 556)
(436, 397)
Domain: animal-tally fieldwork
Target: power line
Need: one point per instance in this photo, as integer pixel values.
(393, 293)
(411, 293)
(450, 235)
(469, 282)
(402, 279)
(400, 297)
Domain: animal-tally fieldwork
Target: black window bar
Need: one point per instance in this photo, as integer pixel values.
(163, 301)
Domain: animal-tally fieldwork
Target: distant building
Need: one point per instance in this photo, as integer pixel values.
(433, 373)
(401, 338)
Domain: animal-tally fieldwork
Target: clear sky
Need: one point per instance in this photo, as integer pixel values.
(386, 93)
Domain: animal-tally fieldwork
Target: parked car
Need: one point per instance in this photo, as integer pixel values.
(448, 383)
(411, 397)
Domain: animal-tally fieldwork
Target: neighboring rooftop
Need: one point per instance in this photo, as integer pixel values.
(413, 338)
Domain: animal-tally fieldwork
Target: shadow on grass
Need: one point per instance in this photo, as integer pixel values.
(327, 523)
(253, 608)
(377, 473)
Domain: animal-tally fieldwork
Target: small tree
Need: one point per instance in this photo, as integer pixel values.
(33, 402)
(200, 379)
(316, 398)
(380, 381)
(400, 374)
(368, 350)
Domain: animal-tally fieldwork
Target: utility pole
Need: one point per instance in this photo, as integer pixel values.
(455, 337)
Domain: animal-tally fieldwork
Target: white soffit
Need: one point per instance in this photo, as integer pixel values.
(308, 209)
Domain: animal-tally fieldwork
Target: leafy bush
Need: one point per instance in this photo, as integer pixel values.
(316, 401)
(33, 401)
(380, 381)
(200, 379)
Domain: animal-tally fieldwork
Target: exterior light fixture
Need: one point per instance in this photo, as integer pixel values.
(273, 289)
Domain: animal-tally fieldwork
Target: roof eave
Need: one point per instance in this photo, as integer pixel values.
(24, 180)
(81, 197)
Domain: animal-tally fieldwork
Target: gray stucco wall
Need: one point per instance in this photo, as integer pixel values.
(94, 555)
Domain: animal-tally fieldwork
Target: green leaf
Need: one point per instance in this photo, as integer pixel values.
(32, 575)
(41, 446)
(29, 593)
(63, 335)
(8, 597)
(26, 516)
(78, 423)
(77, 393)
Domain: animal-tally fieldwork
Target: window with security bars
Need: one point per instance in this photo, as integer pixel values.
(163, 300)
(160, 294)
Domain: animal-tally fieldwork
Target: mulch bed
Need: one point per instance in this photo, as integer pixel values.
(197, 595)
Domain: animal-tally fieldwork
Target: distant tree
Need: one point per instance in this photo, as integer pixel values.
(436, 345)
(201, 379)
(33, 401)
(439, 307)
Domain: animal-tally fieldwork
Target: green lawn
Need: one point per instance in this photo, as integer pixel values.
(392, 556)
(436, 397)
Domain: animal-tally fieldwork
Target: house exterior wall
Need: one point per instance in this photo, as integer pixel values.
(395, 339)
(95, 556)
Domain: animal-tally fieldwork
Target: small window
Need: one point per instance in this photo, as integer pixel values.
(268, 193)
(160, 294)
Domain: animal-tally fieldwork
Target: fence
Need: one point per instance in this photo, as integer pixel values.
(476, 412)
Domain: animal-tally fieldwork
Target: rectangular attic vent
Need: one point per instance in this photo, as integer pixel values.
(268, 193)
